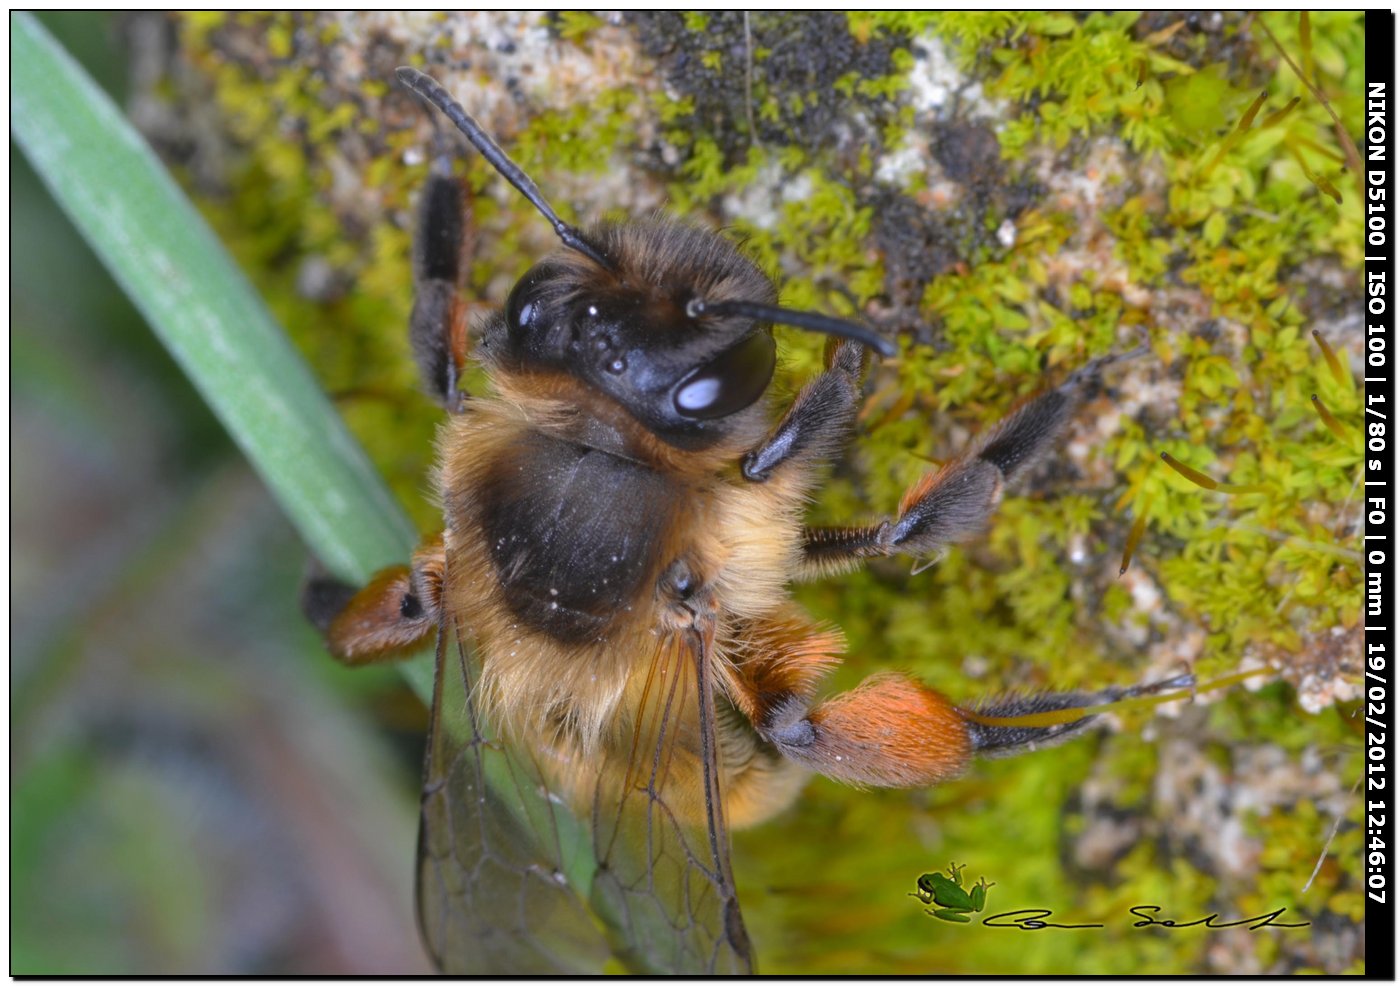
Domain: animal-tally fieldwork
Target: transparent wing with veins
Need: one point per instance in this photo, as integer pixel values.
(501, 864)
(664, 885)
(504, 866)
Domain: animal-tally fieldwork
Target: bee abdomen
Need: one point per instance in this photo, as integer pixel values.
(573, 533)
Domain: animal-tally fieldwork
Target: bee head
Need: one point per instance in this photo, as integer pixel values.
(655, 329)
(669, 321)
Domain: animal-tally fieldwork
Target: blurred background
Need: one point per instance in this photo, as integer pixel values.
(196, 788)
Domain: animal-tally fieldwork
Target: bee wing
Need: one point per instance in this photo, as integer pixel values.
(502, 862)
(664, 885)
(499, 859)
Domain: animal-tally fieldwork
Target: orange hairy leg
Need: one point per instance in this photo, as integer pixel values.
(393, 616)
(889, 731)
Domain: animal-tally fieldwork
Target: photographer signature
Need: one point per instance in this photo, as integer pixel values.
(1033, 919)
(950, 899)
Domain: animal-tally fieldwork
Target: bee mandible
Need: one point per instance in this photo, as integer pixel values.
(621, 672)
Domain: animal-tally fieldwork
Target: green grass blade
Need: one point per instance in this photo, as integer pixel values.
(167, 260)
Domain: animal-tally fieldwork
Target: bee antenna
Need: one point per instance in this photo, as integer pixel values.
(428, 88)
(810, 321)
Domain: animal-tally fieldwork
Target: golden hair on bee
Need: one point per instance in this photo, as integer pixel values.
(618, 650)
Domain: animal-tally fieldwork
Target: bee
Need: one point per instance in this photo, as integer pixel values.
(622, 675)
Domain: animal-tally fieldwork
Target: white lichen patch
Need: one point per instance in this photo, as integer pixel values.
(1096, 184)
(506, 68)
(1006, 234)
(504, 55)
(760, 201)
(1147, 598)
(937, 89)
(1085, 193)
(900, 166)
(935, 81)
(1205, 805)
(1322, 691)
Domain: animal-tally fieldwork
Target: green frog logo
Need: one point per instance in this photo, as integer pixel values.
(949, 900)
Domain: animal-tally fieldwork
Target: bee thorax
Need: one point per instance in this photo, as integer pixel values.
(570, 564)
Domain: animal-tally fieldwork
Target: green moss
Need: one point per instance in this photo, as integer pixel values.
(582, 139)
(1226, 253)
(574, 25)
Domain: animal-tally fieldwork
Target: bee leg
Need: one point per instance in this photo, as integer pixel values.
(954, 503)
(819, 419)
(835, 550)
(391, 618)
(1014, 727)
(438, 325)
(889, 731)
(1005, 725)
(892, 731)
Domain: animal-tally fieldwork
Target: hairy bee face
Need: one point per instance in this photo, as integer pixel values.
(631, 332)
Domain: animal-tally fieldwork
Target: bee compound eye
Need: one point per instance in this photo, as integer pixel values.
(730, 382)
(526, 304)
(523, 308)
